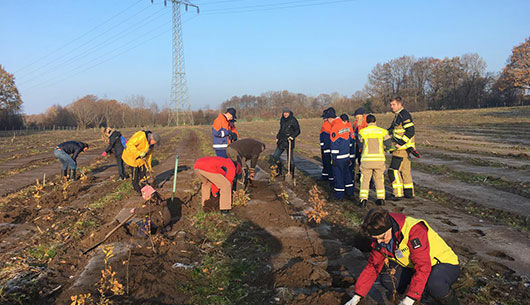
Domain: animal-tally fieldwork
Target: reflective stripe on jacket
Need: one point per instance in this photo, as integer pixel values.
(416, 246)
(137, 145)
(220, 131)
(372, 138)
(402, 130)
(325, 141)
(340, 139)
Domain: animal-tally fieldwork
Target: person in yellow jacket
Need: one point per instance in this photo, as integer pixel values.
(373, 140)
(415, 257)
(138, 154)
(403, 134)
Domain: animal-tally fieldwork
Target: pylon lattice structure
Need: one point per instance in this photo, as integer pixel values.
(179, 88)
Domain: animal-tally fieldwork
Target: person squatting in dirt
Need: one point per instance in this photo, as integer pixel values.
(289, 130)
(224, 132)
(242, 151)
(325, 144)
(374, 140)
(217, 175)
(341, 138)
(412, 254)
(67, 153)
(403, 135)
(138, 154)
(116, 146)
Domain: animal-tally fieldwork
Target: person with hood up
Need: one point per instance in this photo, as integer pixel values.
(289, 130)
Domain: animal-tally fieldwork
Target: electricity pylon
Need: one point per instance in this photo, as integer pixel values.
(179, 88)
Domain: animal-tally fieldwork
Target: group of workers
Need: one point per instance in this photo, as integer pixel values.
(344, 145)
(417, 260)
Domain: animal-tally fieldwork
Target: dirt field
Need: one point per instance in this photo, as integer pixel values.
(472, 186)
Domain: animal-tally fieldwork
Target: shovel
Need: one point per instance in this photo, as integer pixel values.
(109, 234)
(289, 176)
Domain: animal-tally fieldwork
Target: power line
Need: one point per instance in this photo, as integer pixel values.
(79, 37)
(271, 7)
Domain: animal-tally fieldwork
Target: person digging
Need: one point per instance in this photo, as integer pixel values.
(414, 256)
(67, 153)
(217, 174)
(243, 150)
(138, 155)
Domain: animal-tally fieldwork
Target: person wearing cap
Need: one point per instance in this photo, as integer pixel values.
(374, 140)
(403, 135)
(325, 144)
(223, 132)
(341, 138)
(138, 155)
(67, 153)
(289, 130)
(358, 124)
(419, 257)
(217, 174)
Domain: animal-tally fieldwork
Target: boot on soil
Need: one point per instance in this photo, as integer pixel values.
(380, 202)
(449, 299)
(409, 193)
(225, 212)
(394, 198)
(363, 203)
(73, 175)
(65, 173)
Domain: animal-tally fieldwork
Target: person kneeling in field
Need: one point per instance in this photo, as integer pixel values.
(138, 154)
(418, 258)
(217, 174)
(63, 152)
(243, 150)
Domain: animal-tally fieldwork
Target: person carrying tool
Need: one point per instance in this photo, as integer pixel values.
(341, 138)
(373, 140)
(289, 130)
(217, 174)
(414, 256)
(223, 132)
(244, 150)
(358, 125)
(67, 153)
(138, 155)
(116, 146)
(402, 132)
(325, 144)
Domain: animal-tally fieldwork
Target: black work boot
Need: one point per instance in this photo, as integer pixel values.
(380, 202)
(65, 173)
(449, 299)
(73, 175)
(362, 203)
(409, 193)
(394, 198)
(225, 212)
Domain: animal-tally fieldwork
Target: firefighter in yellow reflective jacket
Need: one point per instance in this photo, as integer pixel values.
(138, 154)
(373, 140)
(402, 132)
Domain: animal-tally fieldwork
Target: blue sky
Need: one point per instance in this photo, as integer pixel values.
(62, 50)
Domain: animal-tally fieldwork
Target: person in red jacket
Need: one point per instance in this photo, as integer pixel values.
(419, 257)
(217, 174)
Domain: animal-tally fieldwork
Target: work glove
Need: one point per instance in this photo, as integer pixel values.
(104, 154)
(407, 301)
(142, 154)
(291, 138)
(354, 301)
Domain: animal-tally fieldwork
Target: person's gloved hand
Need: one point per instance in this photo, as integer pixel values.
(251, 176)
(142, 154)
(104, 154)
(407, 301)
(354, 301)
(291, 138)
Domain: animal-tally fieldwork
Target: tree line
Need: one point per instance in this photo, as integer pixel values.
(425, 83)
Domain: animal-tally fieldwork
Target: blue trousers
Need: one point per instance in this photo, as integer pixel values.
(343, 179)
(327, 171)
(65, 159)
(438, 284)
(276, 157)
(221, 153)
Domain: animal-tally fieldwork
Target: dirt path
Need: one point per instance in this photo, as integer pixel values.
(498, 244)
(506, 162)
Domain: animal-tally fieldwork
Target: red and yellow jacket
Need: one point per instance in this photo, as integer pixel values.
(416, 245)
(325, 141)
(341, 138)
(217, 165)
